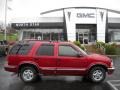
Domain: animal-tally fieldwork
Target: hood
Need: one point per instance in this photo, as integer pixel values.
(98, 57)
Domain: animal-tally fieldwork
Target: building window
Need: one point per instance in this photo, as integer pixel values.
(44, 34)
(86, 33)
(114, 35)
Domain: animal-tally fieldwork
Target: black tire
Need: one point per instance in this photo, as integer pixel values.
(95, 76)
(32, 75)
(85, 78)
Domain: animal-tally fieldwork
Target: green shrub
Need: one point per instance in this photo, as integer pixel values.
(110, 49)
(83, 47)
(79, 45)
(118, 50)
(100, 44)
(101, 48)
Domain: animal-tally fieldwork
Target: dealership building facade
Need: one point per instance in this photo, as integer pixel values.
(86, 25)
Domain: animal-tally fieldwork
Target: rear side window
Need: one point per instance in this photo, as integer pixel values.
(21, 49)
(15, 49)
(24, 49)
(46, 50)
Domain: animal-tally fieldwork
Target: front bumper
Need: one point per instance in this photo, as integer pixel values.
(10, 68)
(111, 70)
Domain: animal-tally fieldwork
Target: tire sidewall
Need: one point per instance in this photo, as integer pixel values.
(93, 70)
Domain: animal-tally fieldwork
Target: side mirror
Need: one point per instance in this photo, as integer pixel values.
(79, 54)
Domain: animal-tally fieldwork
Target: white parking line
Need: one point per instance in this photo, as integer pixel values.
(114, 80)
(114, 84)
(114, 88)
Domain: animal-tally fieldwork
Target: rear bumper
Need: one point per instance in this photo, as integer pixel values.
(10, 68)
(111, 70)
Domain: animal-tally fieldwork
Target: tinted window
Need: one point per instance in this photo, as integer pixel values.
(66, 50)
(15, 49)
(21, 49)
(46, 50)
(24, 49)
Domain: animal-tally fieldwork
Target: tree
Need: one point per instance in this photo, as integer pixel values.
(1, 26)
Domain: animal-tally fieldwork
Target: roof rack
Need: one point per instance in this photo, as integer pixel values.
(33, 40)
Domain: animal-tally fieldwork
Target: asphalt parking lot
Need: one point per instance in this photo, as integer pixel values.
(9, 81)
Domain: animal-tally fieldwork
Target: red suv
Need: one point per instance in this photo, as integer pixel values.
(34, 58)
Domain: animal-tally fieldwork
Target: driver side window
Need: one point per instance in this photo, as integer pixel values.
(67, 50)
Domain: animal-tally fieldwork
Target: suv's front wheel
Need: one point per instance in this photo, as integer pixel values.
(28, 74)
(97, 74)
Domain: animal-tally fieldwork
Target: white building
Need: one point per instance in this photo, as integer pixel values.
(85, 24)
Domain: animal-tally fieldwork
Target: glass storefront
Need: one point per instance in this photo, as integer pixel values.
(44, 34)
(86, 33)
(114, 35)
(83, 35)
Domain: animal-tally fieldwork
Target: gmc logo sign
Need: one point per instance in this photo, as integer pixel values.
(85, 15)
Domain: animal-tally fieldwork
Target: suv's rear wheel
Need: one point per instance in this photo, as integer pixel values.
(97, 74)
(28, 74)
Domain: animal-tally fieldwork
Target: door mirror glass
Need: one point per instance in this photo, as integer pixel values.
(79, 54)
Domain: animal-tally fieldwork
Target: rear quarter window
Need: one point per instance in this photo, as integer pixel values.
(25, 49)
(21, 49)
(14, 49)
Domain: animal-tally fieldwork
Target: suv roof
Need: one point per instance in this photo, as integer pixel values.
(40, 41)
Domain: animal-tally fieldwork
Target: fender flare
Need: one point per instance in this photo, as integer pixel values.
(30, 63)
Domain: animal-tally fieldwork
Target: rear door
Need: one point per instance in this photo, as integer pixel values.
(45, 57)
(13, 56)
(24, 53)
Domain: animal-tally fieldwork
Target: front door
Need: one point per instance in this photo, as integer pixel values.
(68, 61)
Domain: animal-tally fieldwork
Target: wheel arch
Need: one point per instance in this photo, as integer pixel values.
(97, 65)
(28, 64)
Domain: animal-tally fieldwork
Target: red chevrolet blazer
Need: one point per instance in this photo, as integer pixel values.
(34, 58)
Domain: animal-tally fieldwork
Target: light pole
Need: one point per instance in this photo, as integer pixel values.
(5, 31)
(6, 8)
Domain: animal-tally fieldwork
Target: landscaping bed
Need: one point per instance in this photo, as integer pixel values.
(100, 48)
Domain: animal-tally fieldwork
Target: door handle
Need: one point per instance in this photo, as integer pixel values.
(58, 59)
(36, 58)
